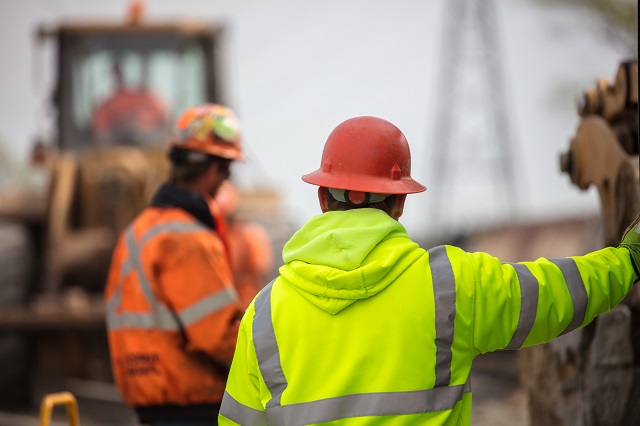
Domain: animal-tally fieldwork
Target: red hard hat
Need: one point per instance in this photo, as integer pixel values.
(210, 129)
(366, 154)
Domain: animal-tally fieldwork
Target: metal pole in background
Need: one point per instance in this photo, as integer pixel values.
(474, 171)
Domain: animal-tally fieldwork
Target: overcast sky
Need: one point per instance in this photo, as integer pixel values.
(295, 69)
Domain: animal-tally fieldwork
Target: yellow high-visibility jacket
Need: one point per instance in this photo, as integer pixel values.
(365, 327)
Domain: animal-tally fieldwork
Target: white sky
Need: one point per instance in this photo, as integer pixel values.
(295, 69)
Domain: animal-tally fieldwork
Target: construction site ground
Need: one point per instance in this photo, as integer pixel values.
(498, 398)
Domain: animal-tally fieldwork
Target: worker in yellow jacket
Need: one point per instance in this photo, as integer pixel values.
(364, 327)
(172, 308)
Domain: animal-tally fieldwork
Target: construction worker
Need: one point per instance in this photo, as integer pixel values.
(130, 114)
(250, 247)
(365, 327)
(172, 309)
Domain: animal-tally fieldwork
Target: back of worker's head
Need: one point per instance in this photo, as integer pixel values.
(204, 135)
(366, 162)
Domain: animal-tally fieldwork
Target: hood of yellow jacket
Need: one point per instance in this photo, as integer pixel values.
(338, 258)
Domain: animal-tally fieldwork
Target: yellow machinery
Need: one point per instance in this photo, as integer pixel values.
(49, 402)
(55, 244)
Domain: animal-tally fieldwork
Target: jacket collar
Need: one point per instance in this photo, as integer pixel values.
(169, 195)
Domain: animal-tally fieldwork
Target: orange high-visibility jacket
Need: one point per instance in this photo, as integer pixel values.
(129, 110)
(251, 253)
(172, 311)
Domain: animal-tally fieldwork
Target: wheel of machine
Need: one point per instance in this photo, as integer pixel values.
(16, 256)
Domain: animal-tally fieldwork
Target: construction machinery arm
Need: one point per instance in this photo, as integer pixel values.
(591, 375)
(604, 151)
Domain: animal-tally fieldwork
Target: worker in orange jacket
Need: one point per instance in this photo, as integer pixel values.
(172, 308)
(250, 246)
(129, 114)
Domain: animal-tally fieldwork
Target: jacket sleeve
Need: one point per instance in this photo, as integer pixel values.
(528, 303)
(242, 403)
(196, 284)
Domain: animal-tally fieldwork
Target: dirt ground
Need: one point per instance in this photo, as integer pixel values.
(498, 399)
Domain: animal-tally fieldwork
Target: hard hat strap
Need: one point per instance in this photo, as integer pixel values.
(347, 196)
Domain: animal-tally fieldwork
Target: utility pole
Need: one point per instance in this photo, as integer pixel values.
(473, 171)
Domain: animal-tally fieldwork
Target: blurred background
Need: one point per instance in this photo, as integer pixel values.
(294, 70)
(485, 92)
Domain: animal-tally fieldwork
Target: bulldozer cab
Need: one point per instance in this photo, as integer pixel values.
(119, 87)
(124, 83)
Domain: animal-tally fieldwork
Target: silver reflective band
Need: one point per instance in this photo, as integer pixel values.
(241, 414)
(529, 289)
(207, 306)
(267, 352)
(338, 194)
(577, 291)
(160, 317)
(133, 261)
(444, 294)
(347, 406)
(368, 404)
(175, 227)
(142, 321)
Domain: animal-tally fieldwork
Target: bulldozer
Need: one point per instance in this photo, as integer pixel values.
(591, 376)
(100, 171)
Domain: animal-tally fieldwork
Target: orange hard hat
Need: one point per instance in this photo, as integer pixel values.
(210, 129)
(366, 154)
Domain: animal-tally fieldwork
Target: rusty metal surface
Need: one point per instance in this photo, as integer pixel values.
(54, 314)
(591, 376)
(23, 204)
(596, 158)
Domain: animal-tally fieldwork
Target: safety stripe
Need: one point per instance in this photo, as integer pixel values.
(114, 301)
(135, 252)
(577, 291)
(267, 352)
(161, 318)
(444, 289)
(368, 404)
(529, 289)
(175, 227)
(240, 413)
(347, 406)
(206, 306)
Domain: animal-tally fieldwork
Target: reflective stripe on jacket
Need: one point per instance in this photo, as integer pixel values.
(172, 311)
(365, 327)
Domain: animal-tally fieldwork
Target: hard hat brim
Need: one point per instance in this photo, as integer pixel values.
(364, 183)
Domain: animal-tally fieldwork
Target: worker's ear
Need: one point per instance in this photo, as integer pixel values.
(223, 168)
(398, 206)
(322, 198)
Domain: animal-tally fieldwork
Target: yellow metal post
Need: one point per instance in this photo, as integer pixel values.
(60, 398)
